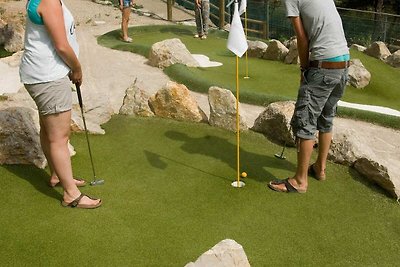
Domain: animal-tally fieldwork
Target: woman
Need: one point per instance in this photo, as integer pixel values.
(49, 59)
(125, 7)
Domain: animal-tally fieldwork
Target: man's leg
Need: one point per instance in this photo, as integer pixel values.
(324, 142)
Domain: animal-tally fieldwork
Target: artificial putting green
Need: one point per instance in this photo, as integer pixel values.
(167, 199)
(269, 80)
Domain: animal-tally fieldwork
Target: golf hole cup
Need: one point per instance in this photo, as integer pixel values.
(243, 175)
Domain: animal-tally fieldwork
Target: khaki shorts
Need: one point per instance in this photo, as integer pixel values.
(51, 97)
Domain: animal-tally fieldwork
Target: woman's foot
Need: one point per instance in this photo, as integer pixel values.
(203, 37)
(197, 35)
(54, 181)
(127, 39)
(82, 201)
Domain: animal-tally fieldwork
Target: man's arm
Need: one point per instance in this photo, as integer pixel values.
(302, 42)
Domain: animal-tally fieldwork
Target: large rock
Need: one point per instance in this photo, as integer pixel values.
(136, 102)
(169, 52)
(359, 76)
(276, 51)
(227, 253)
(378, 50)
(292, 56)
(378, 161)
(274, 122)
(175, 102)
(223, 109)
(394, 59)
(12, 36)
(77, 124)
(19, 137)
(256, 49)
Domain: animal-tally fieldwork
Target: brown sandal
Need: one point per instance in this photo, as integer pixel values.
(313, 173)
(75, 203)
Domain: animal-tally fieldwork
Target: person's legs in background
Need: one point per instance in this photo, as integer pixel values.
(126, 12)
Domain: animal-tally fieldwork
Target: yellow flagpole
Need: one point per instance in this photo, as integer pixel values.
(245, 27)
(237, 122)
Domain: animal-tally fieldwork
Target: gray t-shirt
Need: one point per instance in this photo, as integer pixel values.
(323, 26)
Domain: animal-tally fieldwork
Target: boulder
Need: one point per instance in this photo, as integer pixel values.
(12, 36)
(19, 137)
(174, 101)
(136, 102)
(359, 76)
(169, 52)
(77, 121)
(394, 59)
(378, 50)
(223, 109)
(371, 161)
(275, 51)
(292, 56)
(256, 49)
(226, 253)
(358, 47)
(14, 60)
(274, 122)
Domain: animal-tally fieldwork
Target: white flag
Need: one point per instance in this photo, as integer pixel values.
(243, 6)
(237, 42)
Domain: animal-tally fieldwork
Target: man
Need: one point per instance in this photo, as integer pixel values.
(202, 13)
(324, 60)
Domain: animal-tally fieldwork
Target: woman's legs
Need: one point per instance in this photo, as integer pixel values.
(55, 130)
(126, 11)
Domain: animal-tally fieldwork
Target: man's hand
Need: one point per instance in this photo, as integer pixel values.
(198, 3)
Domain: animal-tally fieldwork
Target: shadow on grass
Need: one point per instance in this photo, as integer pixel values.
(36, 177)
(177, 31)
(158, 161)
(223, 150)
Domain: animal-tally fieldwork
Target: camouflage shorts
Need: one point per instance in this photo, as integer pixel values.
(317, 101)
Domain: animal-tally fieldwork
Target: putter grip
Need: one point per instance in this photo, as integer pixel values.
(78, 91)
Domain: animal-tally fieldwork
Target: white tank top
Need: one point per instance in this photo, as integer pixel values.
(40, 61)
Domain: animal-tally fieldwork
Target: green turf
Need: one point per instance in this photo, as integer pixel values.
(167, 199)
(4, 53)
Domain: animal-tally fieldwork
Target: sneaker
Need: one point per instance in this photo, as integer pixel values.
(203, 37)
(127, 40)
(196, 35)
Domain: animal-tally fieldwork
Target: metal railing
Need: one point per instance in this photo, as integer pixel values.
(267, 19)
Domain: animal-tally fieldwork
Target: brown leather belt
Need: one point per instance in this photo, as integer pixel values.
(329, 65)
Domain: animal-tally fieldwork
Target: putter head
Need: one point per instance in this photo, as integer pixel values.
(97, 182)
(279, 156)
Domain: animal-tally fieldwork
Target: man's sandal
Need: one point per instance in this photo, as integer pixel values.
(274, 185)
(75, 203)
(313, 173)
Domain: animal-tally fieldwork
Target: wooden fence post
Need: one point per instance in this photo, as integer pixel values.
(169, 10)
(221, 14)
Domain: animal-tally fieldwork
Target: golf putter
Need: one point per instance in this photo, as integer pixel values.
(95, 181)
(280, 155)
(201, 18)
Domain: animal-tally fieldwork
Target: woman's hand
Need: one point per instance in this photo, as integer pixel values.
(76, 76)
